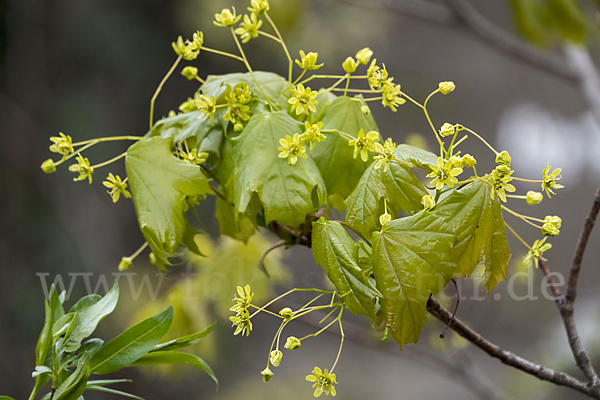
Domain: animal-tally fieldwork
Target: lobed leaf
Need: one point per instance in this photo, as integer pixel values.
(477, 220)
(398, 186)
(411, 261)
(334, 157)
(337, 253)
(286, 192)
(159, 183)
(416, 156)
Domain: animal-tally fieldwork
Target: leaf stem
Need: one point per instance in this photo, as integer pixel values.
(159, 88)
(520, 216)
(105, 163)
(222, 53)
(282, 42)
(108, 139)
(339, 319)
(517, 235)
(461, 127)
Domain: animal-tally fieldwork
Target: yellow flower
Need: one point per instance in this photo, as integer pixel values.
(308, 61)
(117, 187)
(364, 143)
(534, 198)
(83, 168)
(313, 134)
(259, 7)
(62, 144)
(349, 65)
(443, 174)
(428, 202)
(226, 17)
(323, 382)
(447, 130)
(304, 100)
(291, 148)
(364, 56)
(536, 252)
(249, 29)
(549, 180)
(386, 154)
(446, 87)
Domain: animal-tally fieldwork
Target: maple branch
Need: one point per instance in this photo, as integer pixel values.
(509, 358)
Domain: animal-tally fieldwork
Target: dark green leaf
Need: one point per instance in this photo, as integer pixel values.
(90, 348)
(75, 384)
(411, 260)
(286, 192)
(272, 85)
(131, 344)
(477, 221)
(334, 157)
(86, 319)
(159, 182)
(113, 391)
(85, 302)
(416, 156)
(184, 341)
(569, 19)
(337, 253)
(174, 357)
(398, 186)
(6, 398)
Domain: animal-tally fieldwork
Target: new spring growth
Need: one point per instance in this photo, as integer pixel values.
(190, 73)
(377, 77)
(364, 56)
(125, 263)
(446, 87)
(62, 144)
(308, 61)
(259, 7)
(286, 313)
(189, 50)
(551, 226)
(323, 382)
(444, 174)
(534, 198)
(536, 252)
(249, 29)
(226, 17)
(386, 154)
(48, 166)
(312, 133)
(291, 148)
(266, 374)
(503, 158)
(428, 202)
(391, 95)
(292, 343)
(304, 100)
(117, 187)
(275, 358)
(501, 176)
(549, 180)
(447, 130)
(349, 65)
(83, 168)
(364, 143)
(468, 161)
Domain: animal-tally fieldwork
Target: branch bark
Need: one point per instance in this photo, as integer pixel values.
(509, 358)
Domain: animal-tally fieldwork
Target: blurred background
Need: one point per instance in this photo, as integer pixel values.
(89, 69)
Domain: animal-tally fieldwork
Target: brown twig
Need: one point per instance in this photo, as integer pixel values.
(507, 357)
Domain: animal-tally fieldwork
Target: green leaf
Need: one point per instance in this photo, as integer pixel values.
(159, 182)
(532, 20)
(334, 157)
(337, 253)
(113, 391)
(85, 302)
(569, 19)
(477, 221)
(104, 382)
(416, 156)
(75, 384)
(324, 100)
(184, 341)
(227, 224)
(398, 186)
(87, 316)
(54, 311)
(6, 398)
(131, 344)
(174, 357)
(90, 348)
(411, 260)
(272, 85)
(41, 369)
(193, 127)
(286, 192)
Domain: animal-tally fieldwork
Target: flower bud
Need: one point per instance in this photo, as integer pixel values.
(503, 158)
(276, 357)
(292, 343)
(365, 110)
(286, 313)
(349, 65)
(456, 162)
(447, 130)
(502, 170)
(468, 161)
(428, 202)
(534, 198)
(267, 374)
(364, 56)
(190, 72)
(550, 230)
(48, 166)
(125, 263)
(553, 220)
(226, 17)
(385, 218)
(446, 87)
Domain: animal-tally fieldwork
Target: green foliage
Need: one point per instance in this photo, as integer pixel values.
(63, 359)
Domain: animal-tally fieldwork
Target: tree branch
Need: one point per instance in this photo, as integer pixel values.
(507, 357)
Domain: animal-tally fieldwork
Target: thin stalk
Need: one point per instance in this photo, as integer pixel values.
(520, 216)
(341, 341)
(75, 153)
(239, 46)
(139, 251)
(109, 161)
(411, 100)
(159, 88)
(222, 53)
(478, 137)
(347, 85)
(108, 139)
(517, 235)
(287, 53)
(265, 34)
(527, 180)
(342, 134)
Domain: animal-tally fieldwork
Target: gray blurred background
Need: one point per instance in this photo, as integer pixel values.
(89, 69)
